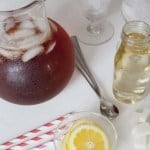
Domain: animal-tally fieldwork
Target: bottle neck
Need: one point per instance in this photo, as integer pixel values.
(136, 35)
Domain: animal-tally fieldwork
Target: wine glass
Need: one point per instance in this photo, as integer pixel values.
(97, 30)
(136, 10)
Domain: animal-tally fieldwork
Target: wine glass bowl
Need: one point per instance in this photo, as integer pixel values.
(136, 10)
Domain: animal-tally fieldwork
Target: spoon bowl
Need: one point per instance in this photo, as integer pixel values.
(107, 108)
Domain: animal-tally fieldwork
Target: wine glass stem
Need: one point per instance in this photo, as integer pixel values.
(94, 28)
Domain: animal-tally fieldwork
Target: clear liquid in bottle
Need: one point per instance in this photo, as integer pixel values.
(132, 71)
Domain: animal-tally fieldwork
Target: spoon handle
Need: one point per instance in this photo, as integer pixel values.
(83, 67)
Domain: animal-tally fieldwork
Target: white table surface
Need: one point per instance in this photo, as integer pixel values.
(77, 96)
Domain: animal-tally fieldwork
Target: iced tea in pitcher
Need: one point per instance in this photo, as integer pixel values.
(36, 55)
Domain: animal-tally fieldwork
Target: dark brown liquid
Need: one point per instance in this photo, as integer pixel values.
(40, 78)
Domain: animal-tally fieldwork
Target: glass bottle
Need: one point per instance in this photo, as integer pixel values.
(36, 55)
(132, 63)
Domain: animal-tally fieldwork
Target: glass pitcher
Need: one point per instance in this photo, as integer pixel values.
(132, 63)
(36, 55)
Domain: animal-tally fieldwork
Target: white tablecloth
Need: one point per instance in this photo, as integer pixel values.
(77, 96)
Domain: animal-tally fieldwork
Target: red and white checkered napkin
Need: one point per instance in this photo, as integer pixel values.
(34, 138)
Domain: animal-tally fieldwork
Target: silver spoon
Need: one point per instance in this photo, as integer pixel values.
(107, 108)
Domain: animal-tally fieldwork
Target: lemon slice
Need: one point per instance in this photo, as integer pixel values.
(87, 135)
(74, 125)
